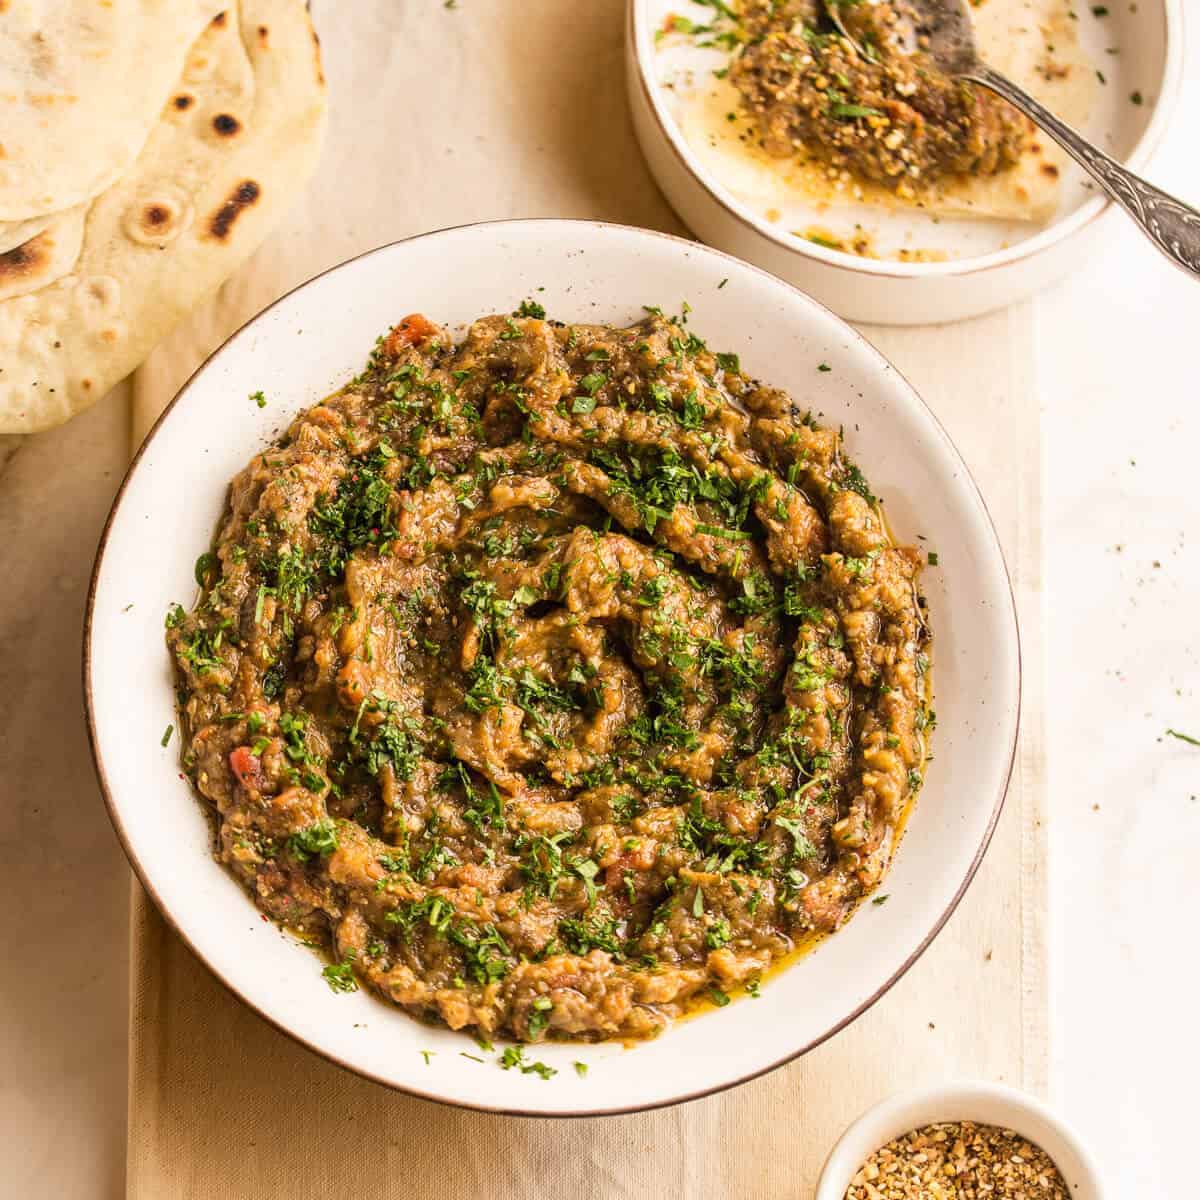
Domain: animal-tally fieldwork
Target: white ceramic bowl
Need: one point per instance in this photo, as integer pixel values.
(988, 271)
(983, 1103)
(311, 341)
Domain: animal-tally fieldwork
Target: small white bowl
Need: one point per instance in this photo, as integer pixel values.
(983, 1103)
(312, 341)
(1149, 65)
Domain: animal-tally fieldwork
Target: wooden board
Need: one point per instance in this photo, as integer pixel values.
(447, 115)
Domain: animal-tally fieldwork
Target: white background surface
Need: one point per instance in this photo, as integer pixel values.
(1119, 383)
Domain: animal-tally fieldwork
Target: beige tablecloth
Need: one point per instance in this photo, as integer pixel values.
(447, 115)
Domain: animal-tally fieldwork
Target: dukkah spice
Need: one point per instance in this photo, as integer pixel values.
(958, 1160)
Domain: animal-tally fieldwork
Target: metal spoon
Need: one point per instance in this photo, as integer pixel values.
(945, 32)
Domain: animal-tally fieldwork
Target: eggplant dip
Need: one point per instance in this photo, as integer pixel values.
(559, 681)
(886, 114)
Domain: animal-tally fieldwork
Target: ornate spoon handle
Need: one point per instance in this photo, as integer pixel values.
(1173, 226)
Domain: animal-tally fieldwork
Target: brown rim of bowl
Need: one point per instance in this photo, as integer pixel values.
(1055, 232)
(118, 825)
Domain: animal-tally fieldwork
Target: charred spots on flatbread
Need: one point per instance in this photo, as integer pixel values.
(226, 125)
(25, 259)
(183, 101)
(219, 19)
(243, 196)
(159, 216)
(317, 56)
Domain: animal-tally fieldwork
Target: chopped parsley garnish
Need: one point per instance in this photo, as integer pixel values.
(273, 677)
(849, 112)
(358, 514)
(718, 934)
(306, 766)
(393, 741)
(802, 847)
(340, 976)
(514, 1056)
(317, 841)
(485, 953)
(542, 860)
(597, 932)
(293, 577)
(587, 871)
(854, 479)
(205, 564)
(656, 481)
(539, 1016)
(201, 650)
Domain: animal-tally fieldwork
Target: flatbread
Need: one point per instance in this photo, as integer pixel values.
(44, 258)
(81, 85)
(236, 141)
(16, 233)
(1033, 42)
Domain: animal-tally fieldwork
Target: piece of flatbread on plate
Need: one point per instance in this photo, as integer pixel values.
(1032, 41)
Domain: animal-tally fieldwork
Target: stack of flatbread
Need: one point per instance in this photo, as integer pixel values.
(146, 148)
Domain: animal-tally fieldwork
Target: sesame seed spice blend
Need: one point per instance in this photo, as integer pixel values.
(958, 1160)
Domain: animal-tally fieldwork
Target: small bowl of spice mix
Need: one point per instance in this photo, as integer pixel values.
(960, 1141)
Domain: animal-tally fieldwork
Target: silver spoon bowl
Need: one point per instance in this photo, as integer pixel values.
(943, 30)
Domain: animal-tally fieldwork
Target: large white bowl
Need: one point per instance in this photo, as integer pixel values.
(311, 341)
(982, 275)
